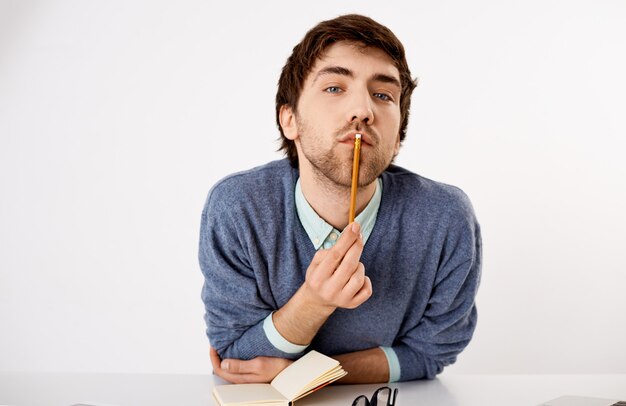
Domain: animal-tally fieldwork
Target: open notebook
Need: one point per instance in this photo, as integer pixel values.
(308, 374)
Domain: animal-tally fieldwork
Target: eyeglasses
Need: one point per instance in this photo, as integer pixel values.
(383, 392)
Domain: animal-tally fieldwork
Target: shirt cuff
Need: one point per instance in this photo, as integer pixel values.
(278, 341)
(394, 364)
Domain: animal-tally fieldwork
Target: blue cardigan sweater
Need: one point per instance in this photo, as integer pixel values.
(423, 258)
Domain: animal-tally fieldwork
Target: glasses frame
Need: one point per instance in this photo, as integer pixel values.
(373, 401)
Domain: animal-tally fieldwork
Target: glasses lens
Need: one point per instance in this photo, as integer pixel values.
(361, 401)
(392, 401)
(382, 396)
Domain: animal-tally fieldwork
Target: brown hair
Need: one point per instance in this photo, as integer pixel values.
(350, 27)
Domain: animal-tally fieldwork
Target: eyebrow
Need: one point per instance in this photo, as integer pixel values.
(339, 70)
(333, 70)
(379, 77)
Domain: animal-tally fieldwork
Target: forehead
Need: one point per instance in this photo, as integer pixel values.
(357, 57)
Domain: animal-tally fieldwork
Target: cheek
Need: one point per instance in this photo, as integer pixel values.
(396, 119)
(390, 115)
(392, 129)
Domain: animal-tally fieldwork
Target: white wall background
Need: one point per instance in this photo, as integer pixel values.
(116, 118)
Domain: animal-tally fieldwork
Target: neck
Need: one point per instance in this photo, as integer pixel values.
(331, 201)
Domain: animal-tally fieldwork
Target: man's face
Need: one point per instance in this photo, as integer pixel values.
(350, 89)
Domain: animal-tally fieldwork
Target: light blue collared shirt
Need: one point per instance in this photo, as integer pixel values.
(323, 235)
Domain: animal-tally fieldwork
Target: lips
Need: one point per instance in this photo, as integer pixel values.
(351, 136)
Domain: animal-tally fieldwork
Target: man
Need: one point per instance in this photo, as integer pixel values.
(391, 296)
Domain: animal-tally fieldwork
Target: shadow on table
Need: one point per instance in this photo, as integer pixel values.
(415, 393)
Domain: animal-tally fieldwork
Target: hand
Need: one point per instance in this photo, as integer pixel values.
(335, 277)
(256, 370)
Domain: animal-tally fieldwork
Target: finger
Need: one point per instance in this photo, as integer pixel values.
(349, 264)
(335, 255)
(237, 366)
(215, 359)
(349, 234)
(319, 256)
(216, 362)
(362, 295)
(224, 370)
(238, 378)
(354, 283)
(315, 262)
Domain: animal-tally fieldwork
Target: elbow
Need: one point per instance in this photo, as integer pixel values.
(433, 367)
(422, 366)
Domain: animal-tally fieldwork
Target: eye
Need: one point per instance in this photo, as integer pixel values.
(383, 96)
(333, 89)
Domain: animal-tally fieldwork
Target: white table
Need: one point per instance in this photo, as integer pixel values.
(56, 389)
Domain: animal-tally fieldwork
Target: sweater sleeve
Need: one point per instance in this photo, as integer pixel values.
(450, 317)
(234, 307)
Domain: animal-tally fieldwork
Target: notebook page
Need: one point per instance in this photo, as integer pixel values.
(261, 393)
(297, 376)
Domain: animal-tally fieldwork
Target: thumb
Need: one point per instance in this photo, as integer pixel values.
(236, 366)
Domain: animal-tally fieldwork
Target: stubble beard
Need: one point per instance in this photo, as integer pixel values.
(335, 170)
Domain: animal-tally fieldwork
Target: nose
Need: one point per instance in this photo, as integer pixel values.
(361, 110)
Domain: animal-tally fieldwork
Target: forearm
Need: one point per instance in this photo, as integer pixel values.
(367, 366)
(299, 320)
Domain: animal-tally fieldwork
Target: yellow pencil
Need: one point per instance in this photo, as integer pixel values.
(355, 177)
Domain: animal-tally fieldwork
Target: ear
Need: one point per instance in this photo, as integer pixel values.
(288, 123)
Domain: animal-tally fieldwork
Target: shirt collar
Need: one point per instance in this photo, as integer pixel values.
(318, 230)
